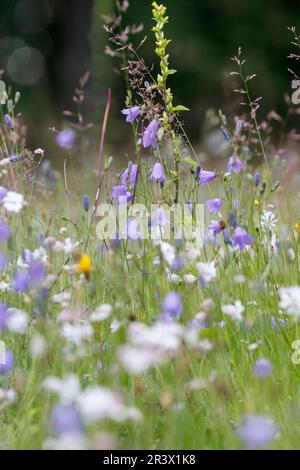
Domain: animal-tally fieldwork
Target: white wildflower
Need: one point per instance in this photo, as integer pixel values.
(234, 311)
(168, 253)
(290, 300)
(17, 321)
(13, 202)
(77, 333)
(101, 313)
(68, 388)
(207, 272)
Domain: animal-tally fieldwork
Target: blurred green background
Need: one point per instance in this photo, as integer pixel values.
(205, 35)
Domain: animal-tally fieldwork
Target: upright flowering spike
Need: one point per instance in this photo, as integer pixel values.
(149, 136)
(213, 205)
(131, 113)
(65, 139)
(157, 173)
(241, 238)
(235, 165)
(206, 177)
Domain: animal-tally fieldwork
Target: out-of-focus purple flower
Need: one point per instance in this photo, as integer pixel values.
(159, 217)
(149, 136)
(3, 192)
(256, 179)
(3, 316)
(9, 121)
(21, 281)
(13, 158)
(189, 203)
(197, 172)
(134, 230)
(241, 238)
(65, 419)
(157, 173)
(232, 219)
(235, 165)
(227, 237)
(278, 323)
(37, 271)
(226, 134)
(86, 202)
(262, 368)
(9, 361)
(206, 177)
(172, 305)
(179, 261)
(131, 113)
(236, 204)
(2, 262)
(257, 431)
(130, 175)
(213, 205)
(215, 226)
(65, 139)
(4, 231)
(121, 193)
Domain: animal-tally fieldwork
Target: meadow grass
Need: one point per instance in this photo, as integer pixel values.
(104, 356)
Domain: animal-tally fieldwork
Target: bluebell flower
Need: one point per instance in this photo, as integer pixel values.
(241, 238)
(131, 113)
(157, 173)
(150, 134)
(213, 205)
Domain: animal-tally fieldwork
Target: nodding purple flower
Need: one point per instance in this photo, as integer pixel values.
(197, 172)
(235, 165)
(178, 263)
(149, 136)
(239, 126)
(215, 226)
(131, 113)
(4, 231)
(121, 193)
(172, 305)
(86, 202)
(9, 361)
(241, 238)
(227, 237)
(3, 192)
(3, 316)
(9, 121)
(232, 219)
(206, 177)
(21, 281)
(66, 138)
(157, 173)
(262, 368)
(213, 205)
(2, 262)
(257, 431)
(65, 419)
(130, 175)
(256, 179)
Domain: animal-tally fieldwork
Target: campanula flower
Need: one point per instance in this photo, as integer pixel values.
(241, 238)
(121, 193)
(172, 305)
(131, 113)
(262, 368)
(213, 205)
(86, 202)
(21, 281)
(206, 177)
(149, 136)
(9, 362)
(4, 231)
(157, 173)
(66, 138)
(9, 121)
(130, 175)
(257, 431)
(235, 165)
(64, 418)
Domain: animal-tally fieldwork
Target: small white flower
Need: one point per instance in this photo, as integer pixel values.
(168, 253)
(189, 279)
(17, 321)
(77, 333)
(101, 313)
(234, 311)
(268, 221)
(68, 388)
(63, 299)
(13, 202)
(38, 346)
(207, 272)
(67, 441)
(290, 300)
(137, 360)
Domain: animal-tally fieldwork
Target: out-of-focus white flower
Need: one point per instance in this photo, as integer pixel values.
(4, 286)
(160, 336)
(96, 403)
(189, 279)
(39, 151)
(7, 396)
(17, 321)
(13, 202)
(291, 254)
(66, 247)
(173, 277)
(68, 388)
(63, 299)
(207, 272)
(268, 221)
(290, 300)
(137, 360)
(101, 313)
(168, 253)
(40, 254)
(38, 346)
(77, 333)
(234, 311)
(115, 325)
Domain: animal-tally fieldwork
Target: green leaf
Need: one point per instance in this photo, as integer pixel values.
(179, 108)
